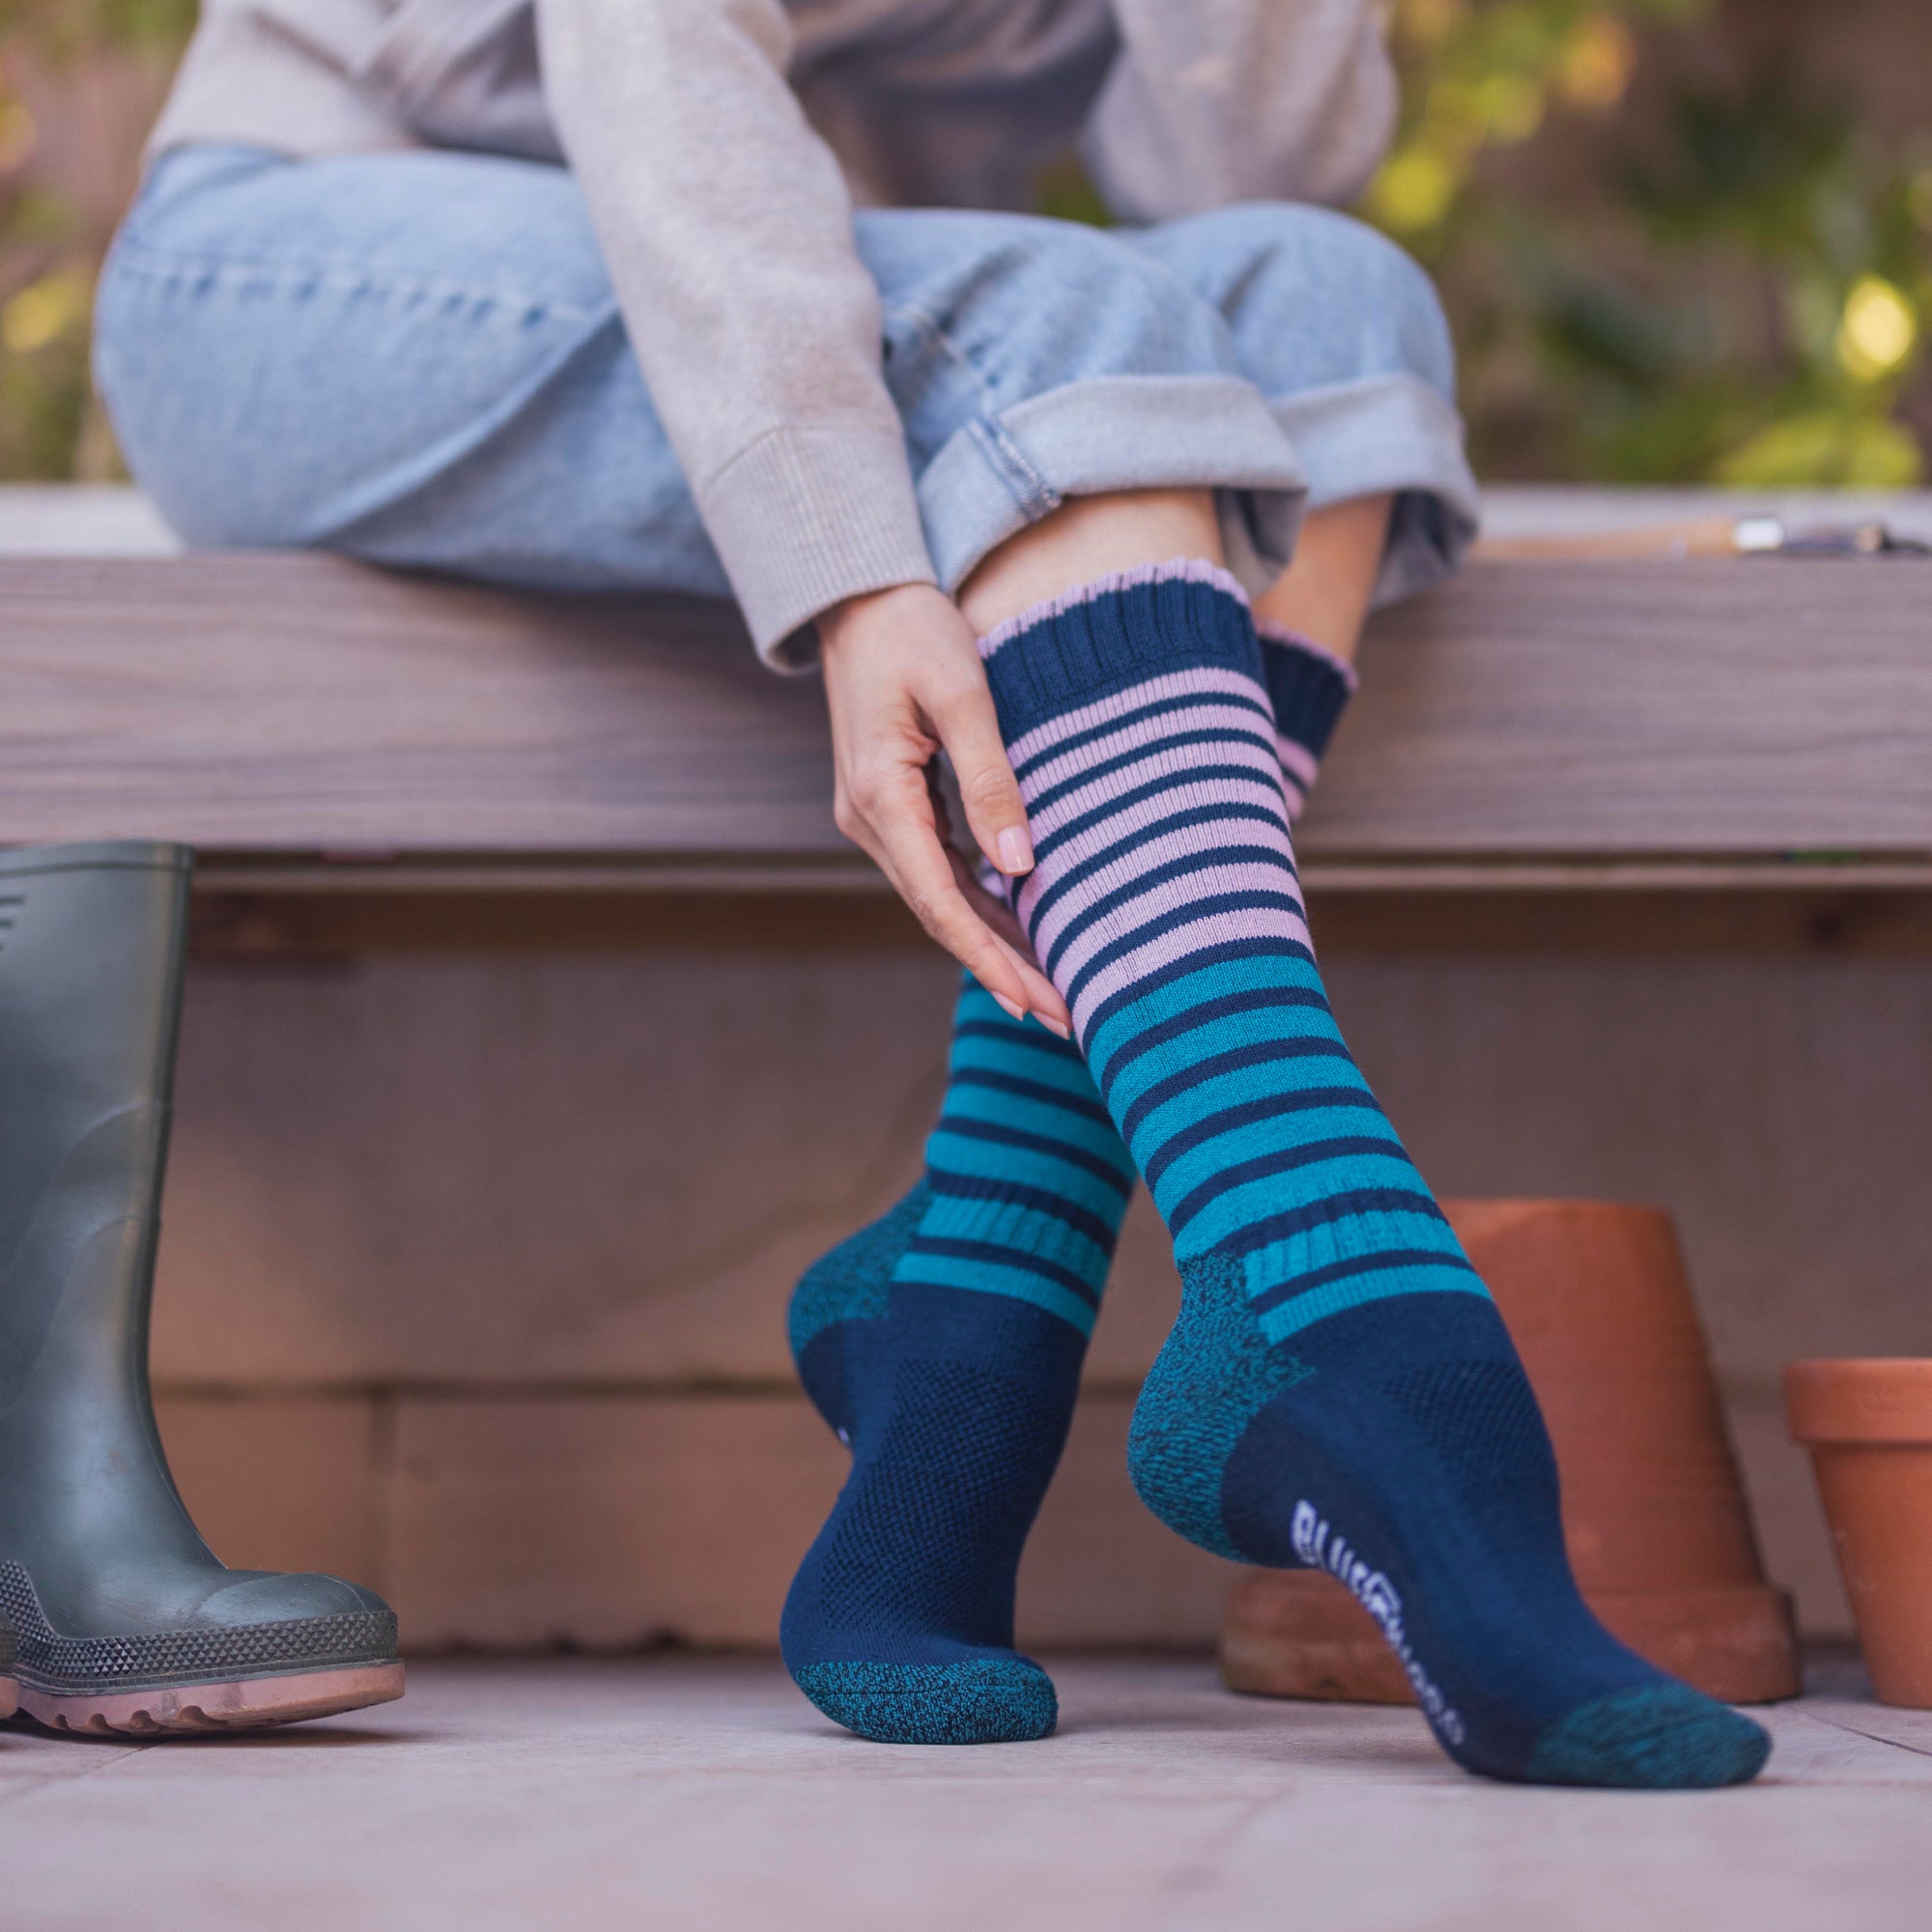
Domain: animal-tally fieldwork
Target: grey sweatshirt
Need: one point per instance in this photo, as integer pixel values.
(722, 144)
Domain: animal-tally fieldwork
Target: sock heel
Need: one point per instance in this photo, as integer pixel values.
(849, 1284)
(1211, 1377)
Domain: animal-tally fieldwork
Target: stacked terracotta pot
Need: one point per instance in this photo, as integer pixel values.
(1868, 1425)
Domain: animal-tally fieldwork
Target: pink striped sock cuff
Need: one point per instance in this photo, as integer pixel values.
(1280, 635)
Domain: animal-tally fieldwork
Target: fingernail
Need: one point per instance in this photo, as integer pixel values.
(1016, 850)
(1054, 1026)
(1011, 1008)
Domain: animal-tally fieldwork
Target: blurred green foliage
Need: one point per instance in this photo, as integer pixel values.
(48, 249)
(1660, 268)
(72, 29)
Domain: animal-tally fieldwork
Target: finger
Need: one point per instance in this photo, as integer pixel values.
(993, 909)
(921, 870)
(1043, 998)
(969, 728)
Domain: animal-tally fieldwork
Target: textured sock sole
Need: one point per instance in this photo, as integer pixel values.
(249, 1703)
(994, 1702)
(1670, 1737)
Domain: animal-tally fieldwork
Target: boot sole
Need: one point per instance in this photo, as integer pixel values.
(243, 1704)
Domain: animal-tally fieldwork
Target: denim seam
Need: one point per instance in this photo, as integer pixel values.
(133, 256)
(1031, 494)
(933, 330)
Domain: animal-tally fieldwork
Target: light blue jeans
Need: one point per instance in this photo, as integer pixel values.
(416, 359)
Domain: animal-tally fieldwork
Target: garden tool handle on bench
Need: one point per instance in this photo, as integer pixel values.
(1706, 537)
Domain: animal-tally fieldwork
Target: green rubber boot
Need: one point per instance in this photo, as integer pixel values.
(123, 1618)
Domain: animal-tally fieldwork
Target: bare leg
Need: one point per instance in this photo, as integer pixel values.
(1084, 540)
(1323, 593)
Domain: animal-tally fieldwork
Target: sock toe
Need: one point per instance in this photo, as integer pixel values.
(1656, 1738)
(990, 1701)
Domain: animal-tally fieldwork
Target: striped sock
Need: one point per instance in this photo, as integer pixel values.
(1308, 690)
(1339, 1390)
(944, 1345)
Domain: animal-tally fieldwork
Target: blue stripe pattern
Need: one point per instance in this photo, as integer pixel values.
(1029, 1180)
(1220, 1062)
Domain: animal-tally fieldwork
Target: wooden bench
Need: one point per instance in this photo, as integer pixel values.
(1536, 740)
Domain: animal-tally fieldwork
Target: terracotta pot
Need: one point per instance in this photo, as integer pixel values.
(1868, 1425)
(1596, 1296)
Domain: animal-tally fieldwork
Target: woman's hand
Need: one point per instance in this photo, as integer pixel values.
(904, 681)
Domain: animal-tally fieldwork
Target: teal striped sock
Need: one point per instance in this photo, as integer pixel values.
(944, 1345)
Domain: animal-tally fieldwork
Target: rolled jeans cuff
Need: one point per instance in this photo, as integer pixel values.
(1390, 435)
(997, 475)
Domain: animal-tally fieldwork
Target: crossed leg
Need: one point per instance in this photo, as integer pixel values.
(944, 1342)
(1339, 1391)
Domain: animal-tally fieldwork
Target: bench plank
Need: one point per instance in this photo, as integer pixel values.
(265, 707)
(1753, 708)
(304, 704)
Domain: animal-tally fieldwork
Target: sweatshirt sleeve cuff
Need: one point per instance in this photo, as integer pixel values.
(806, 517)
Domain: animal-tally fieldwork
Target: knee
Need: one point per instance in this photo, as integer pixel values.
(185, 443)
(1327, 297)
(156, 412)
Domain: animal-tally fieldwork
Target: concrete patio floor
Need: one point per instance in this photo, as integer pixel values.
(687, 1791)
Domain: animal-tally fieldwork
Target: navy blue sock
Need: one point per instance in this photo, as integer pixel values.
(1339, 1390)
(944, 1343)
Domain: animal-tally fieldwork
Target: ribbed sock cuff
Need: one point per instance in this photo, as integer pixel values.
(1114, 633)
(1309, 687)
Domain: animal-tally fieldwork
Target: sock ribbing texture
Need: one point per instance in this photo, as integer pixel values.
(944, 1343)
(1308, 690)
(1339, 1390)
